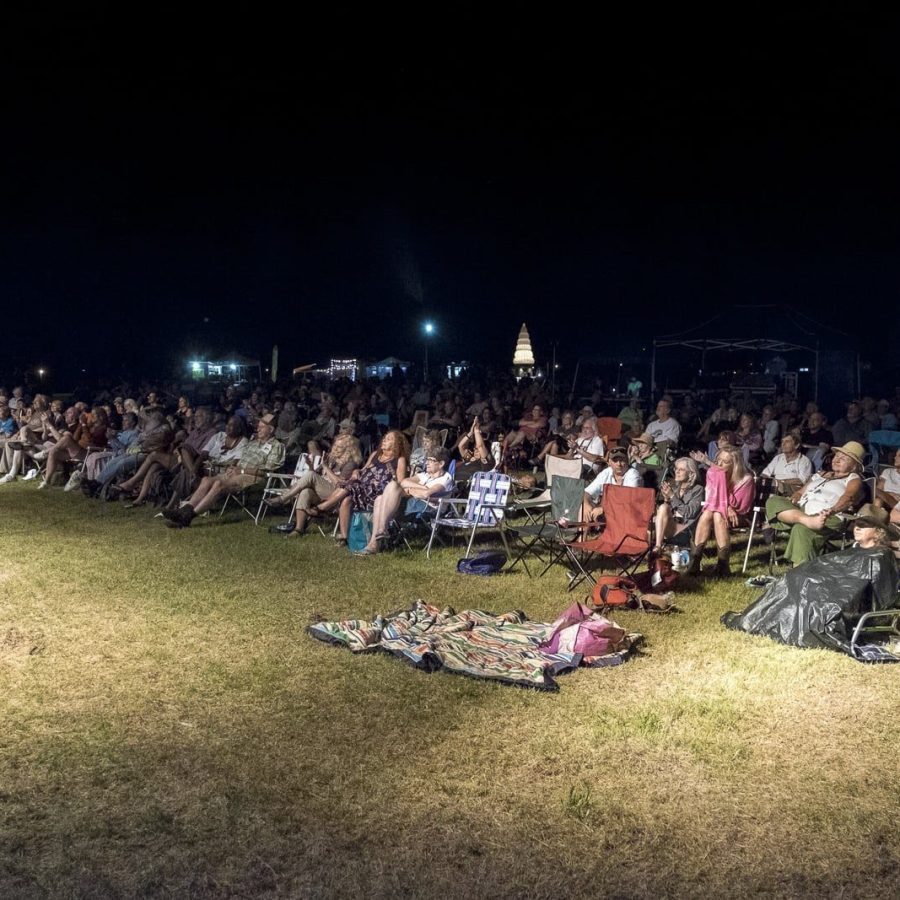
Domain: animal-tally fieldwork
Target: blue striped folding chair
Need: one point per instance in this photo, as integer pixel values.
(485, 507)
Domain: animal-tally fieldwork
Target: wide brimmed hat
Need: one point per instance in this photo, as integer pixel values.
(646, 439)
(854, 450)
(876, 518)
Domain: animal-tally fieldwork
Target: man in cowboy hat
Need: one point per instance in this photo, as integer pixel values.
(811, 513)
(261, 455)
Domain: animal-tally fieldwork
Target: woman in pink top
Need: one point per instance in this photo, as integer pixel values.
(729, 496)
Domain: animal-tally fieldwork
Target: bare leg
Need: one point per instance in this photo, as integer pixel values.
(514, 439)
(797, 516)
(344, 514)
(203, 489)
(702, 533)
(217, 488)
(145, 485)
(58, 452)
(704, 529)
(385, 510)
(589, 512)
(665, 524)
(156, 458)
(337, 497)
(722, 531)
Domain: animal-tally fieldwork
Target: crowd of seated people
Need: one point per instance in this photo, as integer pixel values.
(186, 453)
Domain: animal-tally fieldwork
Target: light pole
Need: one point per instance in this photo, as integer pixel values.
(428, 329)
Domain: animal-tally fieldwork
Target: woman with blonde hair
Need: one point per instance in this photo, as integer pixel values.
(366, 485)
(681, 506)
(729, 497)
(314, 488)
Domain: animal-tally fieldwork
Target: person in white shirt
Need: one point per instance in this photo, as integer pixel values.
(617, 472)
(887, 490)
(664, 427)
(770, 427)
(790, 468)
(584, 444)
(431, 483)
(589, 447)
(812, 512)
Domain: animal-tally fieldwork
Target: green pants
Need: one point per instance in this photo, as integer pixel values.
(803, 544)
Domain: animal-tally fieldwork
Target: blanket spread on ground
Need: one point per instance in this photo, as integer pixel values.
(504, 648)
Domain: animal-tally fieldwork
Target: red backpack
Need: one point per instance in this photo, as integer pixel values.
(613, 590)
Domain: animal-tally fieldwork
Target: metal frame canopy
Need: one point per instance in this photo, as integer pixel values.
(775, 326)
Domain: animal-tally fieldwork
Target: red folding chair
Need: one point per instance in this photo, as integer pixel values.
(628, 512)
(610, 429)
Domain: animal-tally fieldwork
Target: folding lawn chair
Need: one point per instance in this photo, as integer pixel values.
(879, 621)
(537, 507)
(833, 540)
(485, 507)
(567, 468)
(625, 540)
(278, 483)
(763, 489)
(415, 520)
(566, 497)
(242, 499)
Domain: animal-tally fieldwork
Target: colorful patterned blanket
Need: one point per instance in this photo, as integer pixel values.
(505, 648)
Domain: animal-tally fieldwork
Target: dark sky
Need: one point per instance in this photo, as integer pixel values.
(328, 190)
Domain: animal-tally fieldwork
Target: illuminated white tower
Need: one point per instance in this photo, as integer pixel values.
(523, 358)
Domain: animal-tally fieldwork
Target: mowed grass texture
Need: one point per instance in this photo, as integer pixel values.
(170, 730)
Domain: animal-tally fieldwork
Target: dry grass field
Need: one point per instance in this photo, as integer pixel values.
(169, 730)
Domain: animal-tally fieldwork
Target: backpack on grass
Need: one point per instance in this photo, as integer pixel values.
(487, 563)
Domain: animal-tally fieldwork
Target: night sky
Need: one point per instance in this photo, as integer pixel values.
(171, 190)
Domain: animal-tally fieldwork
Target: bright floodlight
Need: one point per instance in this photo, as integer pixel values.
(429, 327)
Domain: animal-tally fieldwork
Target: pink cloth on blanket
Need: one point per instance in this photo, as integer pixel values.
(718, 497)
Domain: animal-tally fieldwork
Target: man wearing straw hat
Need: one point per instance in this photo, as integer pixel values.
(812, 511)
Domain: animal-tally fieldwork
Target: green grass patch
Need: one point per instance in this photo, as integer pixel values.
(170, 730)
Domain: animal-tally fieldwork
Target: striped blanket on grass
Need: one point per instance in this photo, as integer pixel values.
(503, 648)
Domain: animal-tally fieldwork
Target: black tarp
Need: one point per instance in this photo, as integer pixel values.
(817, 603)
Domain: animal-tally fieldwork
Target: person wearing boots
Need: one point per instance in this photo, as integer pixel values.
(729, 498)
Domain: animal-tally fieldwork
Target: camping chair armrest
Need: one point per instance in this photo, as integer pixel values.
(281, 476)
(450, 501)
(530, 503)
